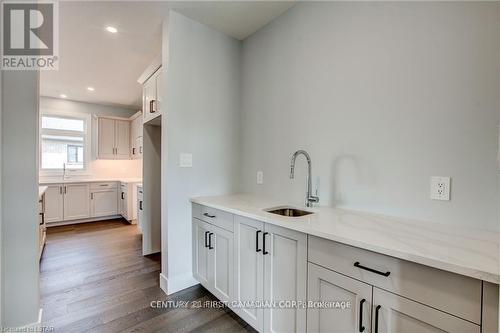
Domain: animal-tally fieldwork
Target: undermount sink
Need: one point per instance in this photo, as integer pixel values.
(288, 211)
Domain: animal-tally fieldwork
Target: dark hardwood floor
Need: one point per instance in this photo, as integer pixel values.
(94, 279)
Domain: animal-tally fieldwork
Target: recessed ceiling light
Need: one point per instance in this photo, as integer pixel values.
(90, 88)
(111, 29)
(63, 96)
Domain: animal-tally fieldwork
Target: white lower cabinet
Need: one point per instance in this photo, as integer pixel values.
(140, 207)
(213, 258)
(327, 286)
(270, 266)
(343, 289)
(395, 314)
(54, 204)
(104, 203)
(200, 251)
(249, 270)
(76, 201)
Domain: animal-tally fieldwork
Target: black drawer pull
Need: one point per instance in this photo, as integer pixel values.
(264, 243)
(123, 195)
(206, 240)
(358, 265)
(257, 241)
(208, 215)
(377, 310)
(210, 247)
(140, 205)
(361, 327)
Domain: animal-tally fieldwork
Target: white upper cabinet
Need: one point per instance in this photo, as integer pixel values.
(122, 139)
(152, 104)
(136, 137)
(113, 139)
(106, 138)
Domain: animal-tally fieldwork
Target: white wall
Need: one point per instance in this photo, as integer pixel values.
(19, 179)
(98, 168)
(201, 98)
(383, 96)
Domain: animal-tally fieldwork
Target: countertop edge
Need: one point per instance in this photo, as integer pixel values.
(422, 260)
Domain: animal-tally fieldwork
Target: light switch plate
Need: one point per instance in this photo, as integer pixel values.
(440, 188)
(260, 177)
(186, 160)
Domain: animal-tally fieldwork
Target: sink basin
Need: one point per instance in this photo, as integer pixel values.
(288, 211)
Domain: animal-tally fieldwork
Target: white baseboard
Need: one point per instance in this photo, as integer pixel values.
(33, 327)
(93, 219)
(176, 283)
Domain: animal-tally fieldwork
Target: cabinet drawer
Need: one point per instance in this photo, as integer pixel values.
(449, 292)
(103, 186)
(214, 216)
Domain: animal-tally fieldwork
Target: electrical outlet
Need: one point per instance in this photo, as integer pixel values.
(440, 188)
(260, 177)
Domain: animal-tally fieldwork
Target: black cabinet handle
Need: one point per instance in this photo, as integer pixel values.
(206, 240)
(140, 205)
(257, 241)
(43, 218)
(208, 215)
(210, 247)
(377, 310)
(133, 151)
(357, 264)
(361, 327)
(264, 243)
(122, 196)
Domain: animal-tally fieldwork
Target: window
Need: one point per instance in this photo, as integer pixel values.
(63, 142)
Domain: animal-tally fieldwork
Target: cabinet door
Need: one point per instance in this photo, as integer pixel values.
(122, 139)
(76, 201)
(106, 138)
(159, 85)
(285, 278)
(149, 97)
(200, 252)
(138, 146)
(394, 314)
(140, 204)
(249, 269)
(220, 260)
(123, 202)
(327, 286)
(54, 204)
(104, 203)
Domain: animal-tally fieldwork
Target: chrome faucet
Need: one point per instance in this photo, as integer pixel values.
(309, 197)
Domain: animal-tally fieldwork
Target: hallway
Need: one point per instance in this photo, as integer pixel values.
(94, 279)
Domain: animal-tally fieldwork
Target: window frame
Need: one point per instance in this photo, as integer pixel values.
(87, 142)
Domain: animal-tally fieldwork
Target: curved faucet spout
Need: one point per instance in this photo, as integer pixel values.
(309, 197)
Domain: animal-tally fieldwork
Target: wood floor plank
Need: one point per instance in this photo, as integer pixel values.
(93, 278)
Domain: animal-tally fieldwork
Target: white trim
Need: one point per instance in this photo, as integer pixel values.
(150, 70)
(92, 219)
(33, 327)
(87, 142)
(135, 115)
(177, 283)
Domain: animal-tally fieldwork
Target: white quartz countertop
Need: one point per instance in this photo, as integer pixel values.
(88, 180)
(41, 191)
(469, 252)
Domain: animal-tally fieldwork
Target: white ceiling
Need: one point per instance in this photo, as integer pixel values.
(111, 63)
